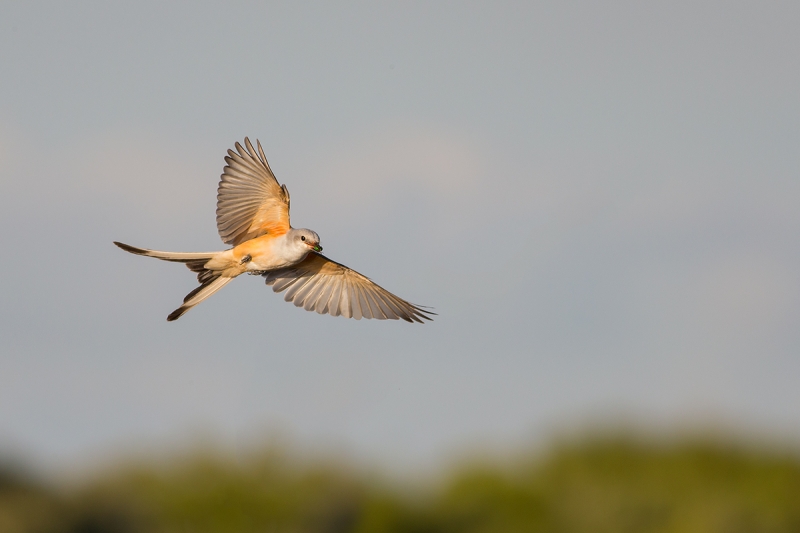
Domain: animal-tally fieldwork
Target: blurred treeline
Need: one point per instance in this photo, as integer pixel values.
(600, 484)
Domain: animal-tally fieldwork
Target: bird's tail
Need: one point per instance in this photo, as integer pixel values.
(210, 280)
(202, 292)
(177, 257)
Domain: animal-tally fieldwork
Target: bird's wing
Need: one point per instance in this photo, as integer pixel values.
(325, 286)
(250, 202)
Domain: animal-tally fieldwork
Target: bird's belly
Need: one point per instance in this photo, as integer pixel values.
(265, 263)
(265, 254)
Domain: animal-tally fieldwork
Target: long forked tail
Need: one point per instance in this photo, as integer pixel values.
(177, 257)
(210, 280)
(202, 292)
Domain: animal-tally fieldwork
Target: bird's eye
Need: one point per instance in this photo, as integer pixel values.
(302, 238)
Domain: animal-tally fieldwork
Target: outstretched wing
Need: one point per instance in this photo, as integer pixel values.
(325, 286)
(250, 202)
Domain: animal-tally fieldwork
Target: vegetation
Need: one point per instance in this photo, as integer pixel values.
(594, 485)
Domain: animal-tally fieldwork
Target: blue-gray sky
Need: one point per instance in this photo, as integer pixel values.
(601, 200)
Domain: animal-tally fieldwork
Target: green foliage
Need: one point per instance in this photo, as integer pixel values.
(597, 485)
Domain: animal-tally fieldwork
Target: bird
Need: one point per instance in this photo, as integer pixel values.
(253, 217)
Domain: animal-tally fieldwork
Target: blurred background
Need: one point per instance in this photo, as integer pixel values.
(600, 200)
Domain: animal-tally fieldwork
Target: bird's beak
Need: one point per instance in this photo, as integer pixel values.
(317, 248)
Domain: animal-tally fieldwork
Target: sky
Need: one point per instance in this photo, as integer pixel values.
(600, 200)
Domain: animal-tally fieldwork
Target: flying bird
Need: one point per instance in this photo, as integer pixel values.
(253, 217)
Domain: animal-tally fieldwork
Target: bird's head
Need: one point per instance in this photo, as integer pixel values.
(307, 238)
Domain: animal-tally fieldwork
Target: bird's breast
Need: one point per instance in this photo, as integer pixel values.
(267, 253)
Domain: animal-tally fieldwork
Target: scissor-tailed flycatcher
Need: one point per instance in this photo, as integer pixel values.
(253, 217)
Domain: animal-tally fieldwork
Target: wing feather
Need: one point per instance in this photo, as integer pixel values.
(304, 293)
(327, 287)
(250, 201)
(355, 300)
(367, 305)
(318, 301)
(325, 297)
(381, 305)
(283, 284)
(291, 293)
(334, 304)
